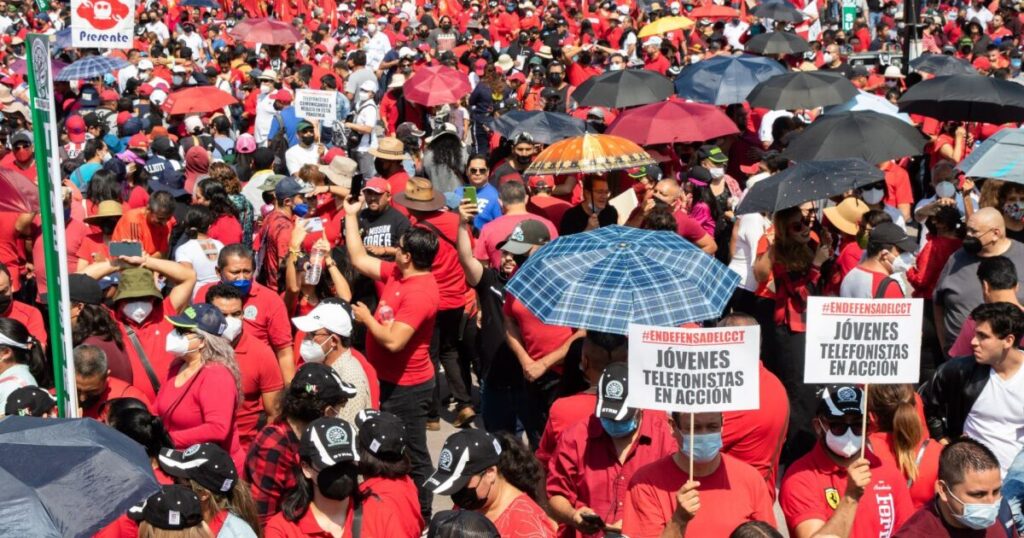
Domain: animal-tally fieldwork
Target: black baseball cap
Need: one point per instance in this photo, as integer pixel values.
(841, 401)
(84, 289)
(323, 381)
(381, 434)
(526, 235)
(465, 454)
(173, 508)
(29, 401)
(612, 389)
(206, 463)
(202, 316)
(328, 441)
(888, 233)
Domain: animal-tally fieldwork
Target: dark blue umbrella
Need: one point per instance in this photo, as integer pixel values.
(91, 67)
(544, 127)
(200, 3)
(67, 477)
(808, 181)
(607, 278)
(725, 80)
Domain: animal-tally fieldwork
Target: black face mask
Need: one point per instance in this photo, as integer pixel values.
(338, 482)
(5, 302)
(446, 27)
(467, 499)
(307, 139)
(972, 245)
(555, 78)
(90, 401)
(524, 159)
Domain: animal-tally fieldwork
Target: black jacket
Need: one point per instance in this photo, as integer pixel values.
(950, 394)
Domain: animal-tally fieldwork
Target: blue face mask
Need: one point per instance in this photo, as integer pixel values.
(976, 516)
(1015, 64)
(244, 286)
(620, 428)
(300, 210)
(705, 446)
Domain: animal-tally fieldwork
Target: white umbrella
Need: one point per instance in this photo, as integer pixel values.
(871, 102)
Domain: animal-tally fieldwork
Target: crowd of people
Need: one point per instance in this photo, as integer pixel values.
(281, 309)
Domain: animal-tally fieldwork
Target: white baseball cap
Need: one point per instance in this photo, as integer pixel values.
(145, 65)
(330, 316)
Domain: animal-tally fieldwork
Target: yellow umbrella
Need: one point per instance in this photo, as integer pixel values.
(589, 154)
(665, 25)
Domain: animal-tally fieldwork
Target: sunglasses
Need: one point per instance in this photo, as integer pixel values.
(799, 226)
(477, 170)
(840, 428)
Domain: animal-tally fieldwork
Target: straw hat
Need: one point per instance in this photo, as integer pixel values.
(847, 214)
(389, 148)
(420, 195)
(106, 209)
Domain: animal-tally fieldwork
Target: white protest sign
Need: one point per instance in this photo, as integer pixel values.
(316, 105)
(105, 24)
(694, 370)
(863, 340)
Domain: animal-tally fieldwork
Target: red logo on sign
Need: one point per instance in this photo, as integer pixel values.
(103, 14)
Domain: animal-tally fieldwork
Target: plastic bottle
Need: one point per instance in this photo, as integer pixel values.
(316, 262)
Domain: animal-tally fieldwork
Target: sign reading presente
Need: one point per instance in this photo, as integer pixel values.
(316, 105)
(863, 340)
(105, 24)
(694, 370)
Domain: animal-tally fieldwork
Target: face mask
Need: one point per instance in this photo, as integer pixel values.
(337, 482)
(300, 210)
(872, 196)
(704, 447)
(23, 154)
(844, 445)
(977, 516)
(446, 27)
(827, 58)
(5, 302)
(265, 88)
(615, 67)
(1015, 64)
(137, 311)
(233, 328)
(555, 78)
(521, 159)
(467, 499)
(307, 140)
(945, 189)
(619, 428)
(972, 245)
(1014, 210)
(903, 262)
(694, 58)
(176, 344)
(310, 351)
(371, 29)
(143, 76)
(244, 286)
(717, 172)
(890, 84)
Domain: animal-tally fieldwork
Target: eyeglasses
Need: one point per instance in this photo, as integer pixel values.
(840, 428)
(477, 170)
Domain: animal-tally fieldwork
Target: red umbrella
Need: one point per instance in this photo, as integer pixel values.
(197, 100)
(266, 31)
(436, 85)
(713, 12)
(672, 121)
(18, 193)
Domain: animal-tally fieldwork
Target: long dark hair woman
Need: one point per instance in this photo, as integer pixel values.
(225, 228)
(92, 324)
(444, 159)
(104, 185)
(22, 361)
(226, 175)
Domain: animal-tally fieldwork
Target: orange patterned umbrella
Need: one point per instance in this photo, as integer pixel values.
(589, 154)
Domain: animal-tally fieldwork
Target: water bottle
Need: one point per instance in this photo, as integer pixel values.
(316, 260)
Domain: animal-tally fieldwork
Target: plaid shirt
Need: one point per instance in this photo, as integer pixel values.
(270, 466)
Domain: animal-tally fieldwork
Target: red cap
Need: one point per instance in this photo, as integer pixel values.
(331, 154)
(145, 89)
(283, 96)
(108, 95)
(138, 141)
(123, 117)
(377, 184)
(542, 181)
(982, 63)
(517, 76)
(75, 126)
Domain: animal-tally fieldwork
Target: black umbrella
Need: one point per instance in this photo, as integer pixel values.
(777, 43)
(544, 127)
(941, 64)
(67, 477)
(802, 89)
(807, 181)
(864, 135)
(966, 98)
(625, 88)
(778, 11)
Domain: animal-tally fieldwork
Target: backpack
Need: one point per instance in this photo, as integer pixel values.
(226, 154)
(279, 143)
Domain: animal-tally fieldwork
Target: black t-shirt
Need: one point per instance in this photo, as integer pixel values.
(498, 366)
(575, 219)
(382, 229)
(505, 170)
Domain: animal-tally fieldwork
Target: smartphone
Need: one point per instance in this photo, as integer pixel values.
(593, 519)
(125, 248)
(469, 193)
(357, 187)
(315, 224)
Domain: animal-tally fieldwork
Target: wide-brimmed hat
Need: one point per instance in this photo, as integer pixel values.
(847, 214)
(340, 171)
(420, 195)
(136, 283)
(105, 210)
(389, 148)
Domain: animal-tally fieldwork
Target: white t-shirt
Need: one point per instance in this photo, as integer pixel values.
(202, 254)
(367, 115)
(750, 228)
(297, 156)
(12, 379)
(997, 417)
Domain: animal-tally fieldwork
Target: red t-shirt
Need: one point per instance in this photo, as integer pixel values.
(92, 249)
(28, 316)
(687, 227)
(539, 338)
(730, 496)
(397, 183)
(306, 526)
(399, 500)
(152, 336)
(260, 374)
(12, 248)
(74, 235)
(897, 185)
(756, 437)
(548, 207)
(414, 302)
(135, 226)
(202, 409)
(814, 479)
(226, 229)
(498, 230)
(264, 314)
(922, 489)
(523, 518)
(115, 389)
(451, 280)
(659, 65)
(564, 412)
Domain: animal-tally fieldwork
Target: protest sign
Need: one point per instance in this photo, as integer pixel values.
(105, 24)
(693, 370)
(316, 105)
(863, 340)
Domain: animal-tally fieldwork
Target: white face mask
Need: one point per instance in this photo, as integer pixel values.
(371, 29)
(265, 88)
(903, 262)
(310, 351)
(717, 172)
(143, 76)
(872, 196)
(695, 58)
(233, 328)
(845, 445)
(615, 67)
(827, 58)
(137, 311)
(176, 344)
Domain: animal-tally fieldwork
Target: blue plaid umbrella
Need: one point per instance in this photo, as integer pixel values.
(725, 80)
(605, 279)
(91, 67)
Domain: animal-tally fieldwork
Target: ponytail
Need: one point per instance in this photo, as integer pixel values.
(297, 501)
(238, 501)
(519, 467)
(893, 407)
